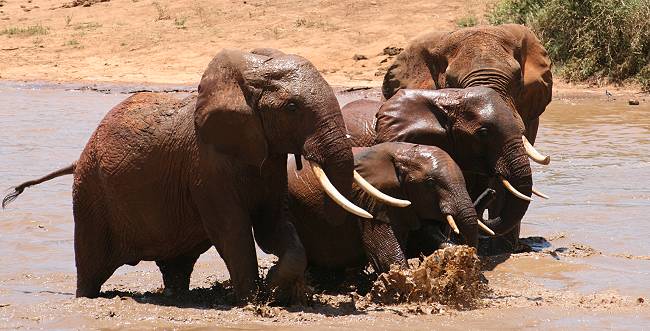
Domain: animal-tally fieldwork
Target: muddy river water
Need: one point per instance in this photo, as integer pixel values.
(592, 269)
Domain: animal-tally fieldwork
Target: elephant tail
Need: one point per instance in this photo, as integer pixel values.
(20, 188)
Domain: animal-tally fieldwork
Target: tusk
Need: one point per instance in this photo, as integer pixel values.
(540, 194)
(333, 193)
(514, 191)
(452, 223)
(374, 192)
(534, 154)
(485, 228)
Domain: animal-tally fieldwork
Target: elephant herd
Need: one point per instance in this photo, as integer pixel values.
(263, 153)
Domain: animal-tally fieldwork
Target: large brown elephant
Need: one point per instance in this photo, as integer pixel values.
(425, 175)
(164, 179)
(507, 58)
(473, 125)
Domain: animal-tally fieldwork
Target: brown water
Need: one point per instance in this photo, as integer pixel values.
(598, 181)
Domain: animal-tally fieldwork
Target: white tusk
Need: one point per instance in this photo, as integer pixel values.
(333, 193)
(452, 223)
(485, 228)
(514, 191)
(374, 192)
(534, 154)
(540, 194)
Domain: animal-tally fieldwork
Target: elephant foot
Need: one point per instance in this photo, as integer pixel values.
(286, 280)
(287, 293)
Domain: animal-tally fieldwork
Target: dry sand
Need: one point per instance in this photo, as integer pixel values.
(172, 41)
(143, 41)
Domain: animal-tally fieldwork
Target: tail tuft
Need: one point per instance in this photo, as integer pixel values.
(12, 196)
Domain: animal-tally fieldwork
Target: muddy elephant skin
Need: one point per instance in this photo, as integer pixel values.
(507, 58)
(424, 175)
(163, 179)
(471, 124)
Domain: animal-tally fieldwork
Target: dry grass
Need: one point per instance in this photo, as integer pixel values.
(28, 31)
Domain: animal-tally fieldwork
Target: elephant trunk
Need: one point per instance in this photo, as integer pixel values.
(513, 166)
(467, 223)
(331, 150)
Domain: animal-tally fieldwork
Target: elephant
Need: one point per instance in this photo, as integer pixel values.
(163, 179)
(429, 187)
(473, 125)
(507, 58)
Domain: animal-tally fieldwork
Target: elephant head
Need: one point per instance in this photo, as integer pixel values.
(425, 175)
(254, 106)
(507, 58)
(475, 128)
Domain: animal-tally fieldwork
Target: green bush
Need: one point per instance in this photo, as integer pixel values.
(588, 39)
(467, 21)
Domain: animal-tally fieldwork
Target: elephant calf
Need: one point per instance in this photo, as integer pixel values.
(425, 175)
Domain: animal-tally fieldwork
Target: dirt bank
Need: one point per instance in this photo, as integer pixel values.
(172, 41)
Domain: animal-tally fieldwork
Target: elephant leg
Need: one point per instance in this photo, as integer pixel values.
(381, 245)
(229, 228)
(90, 276)
(94, 256)
(177, 271)
(279, 237)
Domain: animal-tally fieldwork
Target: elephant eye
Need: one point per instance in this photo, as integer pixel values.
(482, 132)
(291, 106)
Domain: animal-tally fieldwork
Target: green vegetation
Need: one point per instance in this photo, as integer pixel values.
(588, 40)
(87, 26)
(180, 22)
(467, 21)
(32, 30)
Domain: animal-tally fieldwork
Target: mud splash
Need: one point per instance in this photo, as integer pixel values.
(451, 276)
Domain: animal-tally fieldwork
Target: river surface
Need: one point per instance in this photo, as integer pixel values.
(595, 228)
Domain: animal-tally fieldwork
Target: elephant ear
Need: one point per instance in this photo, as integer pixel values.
(416, 67)
(536, 70)
(418, 117)
(375, 165)
(225, 116)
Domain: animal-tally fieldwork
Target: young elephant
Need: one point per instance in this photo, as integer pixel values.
(164, 179)
(425, 175)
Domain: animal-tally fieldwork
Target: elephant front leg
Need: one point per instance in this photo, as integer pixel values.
(228, 227)
(278, 236)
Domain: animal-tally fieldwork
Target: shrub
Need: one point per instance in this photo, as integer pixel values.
(588, 40)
